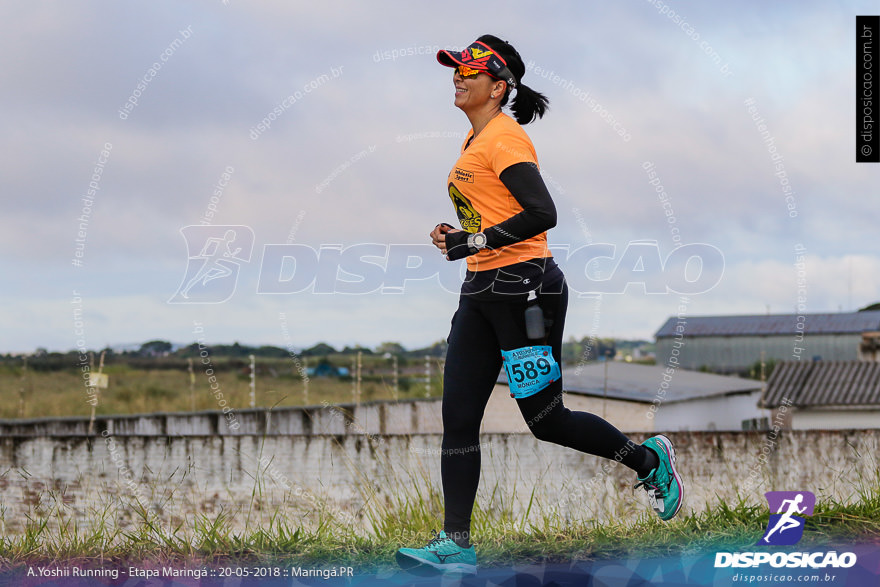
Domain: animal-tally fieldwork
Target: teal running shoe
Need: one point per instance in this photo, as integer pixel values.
(441, 553)
(663, 484)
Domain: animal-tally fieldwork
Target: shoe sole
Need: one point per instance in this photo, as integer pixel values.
(413, 565)
(670, 452)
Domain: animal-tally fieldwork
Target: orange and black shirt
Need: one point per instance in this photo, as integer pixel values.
(481, 199)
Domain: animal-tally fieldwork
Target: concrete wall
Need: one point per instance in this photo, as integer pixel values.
(835, 419)
(503, 415)
(352, 476)
(403, 417)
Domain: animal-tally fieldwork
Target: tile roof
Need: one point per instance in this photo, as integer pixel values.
(824, 383)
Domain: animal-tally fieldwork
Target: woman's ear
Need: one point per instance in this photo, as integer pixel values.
(498, 90)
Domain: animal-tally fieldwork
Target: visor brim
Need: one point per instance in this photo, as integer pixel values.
(447, 57)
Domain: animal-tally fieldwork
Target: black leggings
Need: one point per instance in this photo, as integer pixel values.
(480, 330)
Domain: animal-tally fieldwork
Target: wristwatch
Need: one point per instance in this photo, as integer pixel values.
(476, 241)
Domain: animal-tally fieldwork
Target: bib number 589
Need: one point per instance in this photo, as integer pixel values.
(530, 369)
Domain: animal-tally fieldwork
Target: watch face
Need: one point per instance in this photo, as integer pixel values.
(480, 240)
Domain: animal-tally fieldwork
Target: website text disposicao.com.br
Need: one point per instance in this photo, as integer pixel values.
(782, 566)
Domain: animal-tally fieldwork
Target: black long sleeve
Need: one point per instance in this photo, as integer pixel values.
(525, 184)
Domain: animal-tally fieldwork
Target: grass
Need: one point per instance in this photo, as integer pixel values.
(405, 519)
(138, 391)
(120, 529)
(279, 543)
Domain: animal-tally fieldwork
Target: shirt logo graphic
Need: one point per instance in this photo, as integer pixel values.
(464, 175)
(469, 218)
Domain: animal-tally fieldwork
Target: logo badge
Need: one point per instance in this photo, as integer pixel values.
(480, 53)
(214, 257)
(468, 216)
(464, 175)
(786, 526)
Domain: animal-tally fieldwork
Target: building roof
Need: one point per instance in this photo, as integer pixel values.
(642, 383)
(773, 324)
(824, 383)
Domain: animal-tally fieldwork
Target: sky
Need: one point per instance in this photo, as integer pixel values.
(268, 172)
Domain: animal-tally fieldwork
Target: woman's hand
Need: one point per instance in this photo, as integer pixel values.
(438, 236)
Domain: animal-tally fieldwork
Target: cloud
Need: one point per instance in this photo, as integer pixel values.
(379, 138)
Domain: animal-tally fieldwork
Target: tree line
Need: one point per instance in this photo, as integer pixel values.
(162, 354)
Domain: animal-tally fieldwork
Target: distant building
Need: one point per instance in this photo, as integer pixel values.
(728, 344)
(643, 398)
(826, 394)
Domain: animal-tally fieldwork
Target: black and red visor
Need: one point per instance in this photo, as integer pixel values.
(480, 57)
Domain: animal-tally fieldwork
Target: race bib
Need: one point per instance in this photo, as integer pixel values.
(530, 369)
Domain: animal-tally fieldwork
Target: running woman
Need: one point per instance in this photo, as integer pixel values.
(505, 210)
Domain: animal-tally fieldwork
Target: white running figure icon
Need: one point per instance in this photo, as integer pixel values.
(212, 253)
(786, 522)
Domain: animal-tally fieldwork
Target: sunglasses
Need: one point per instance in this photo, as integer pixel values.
(489, 62)
(467, 72)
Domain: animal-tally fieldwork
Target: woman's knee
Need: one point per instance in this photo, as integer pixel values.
(549, 425)
(543, 433)
(460, 426)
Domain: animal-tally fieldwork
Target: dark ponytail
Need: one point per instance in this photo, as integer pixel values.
(527, 103)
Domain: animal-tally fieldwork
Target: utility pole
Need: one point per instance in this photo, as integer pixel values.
(354, 381)
(359, 364)
(427, 375)
(21, 391)
(96, 382)
(192, 385)
(305, 379)
(395, 379)
(253, 381)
